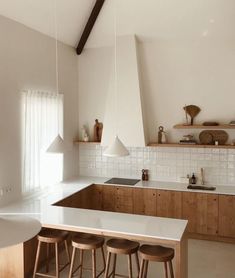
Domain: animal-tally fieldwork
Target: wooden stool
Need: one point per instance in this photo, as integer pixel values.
(84, 242)
(51, 236)
(155, 253)
(121, 246)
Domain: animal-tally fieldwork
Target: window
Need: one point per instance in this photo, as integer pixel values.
(42, 121)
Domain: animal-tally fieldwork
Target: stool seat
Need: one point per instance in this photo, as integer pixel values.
(52, 236)
(156, 253)
(122, 246)
(87, 241)
(117, 246)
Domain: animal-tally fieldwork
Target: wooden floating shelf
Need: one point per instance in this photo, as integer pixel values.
(82, 142)
(177, 145)
(223, 126)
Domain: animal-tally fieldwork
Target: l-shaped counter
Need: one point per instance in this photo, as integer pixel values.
(159, 230)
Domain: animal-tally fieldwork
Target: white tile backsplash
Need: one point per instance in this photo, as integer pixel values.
(165, 164)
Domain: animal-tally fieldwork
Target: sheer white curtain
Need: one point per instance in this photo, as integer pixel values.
(42, 121)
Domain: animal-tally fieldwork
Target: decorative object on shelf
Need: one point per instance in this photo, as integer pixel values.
(162, 137)
(188, 139)
(98, 128)
(193, 179)
(117, 148)
(232, 123)
(192, 111)
(186, 115)
(145, 175)
(85, 136)
(210, 123)
(209, 137)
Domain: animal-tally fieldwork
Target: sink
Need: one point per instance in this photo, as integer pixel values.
(201, 187)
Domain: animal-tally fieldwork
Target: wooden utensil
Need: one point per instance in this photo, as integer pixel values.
(192, 111)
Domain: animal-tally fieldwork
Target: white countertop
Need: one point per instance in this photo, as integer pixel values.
(40, 207)
(16, 229)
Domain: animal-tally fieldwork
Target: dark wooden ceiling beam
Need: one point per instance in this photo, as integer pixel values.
(90, 23)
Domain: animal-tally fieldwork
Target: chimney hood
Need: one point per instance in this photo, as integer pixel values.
(128, 124)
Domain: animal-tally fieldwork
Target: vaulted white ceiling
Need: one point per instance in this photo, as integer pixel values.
(148, 19)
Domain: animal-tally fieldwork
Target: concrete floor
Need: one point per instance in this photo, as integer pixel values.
(206, 260)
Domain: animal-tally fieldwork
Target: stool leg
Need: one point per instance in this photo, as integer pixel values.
(102, 251)
(129, 266)
(67, 250)
(72, 262)
(166, 271)
(141, 268)
(47, 262)
(57, 260)
(107, 265)
(137, 262)
(146, 268)
(114, 264)
(94, 263)
(171, 269)
(37, 259)
(81, 263)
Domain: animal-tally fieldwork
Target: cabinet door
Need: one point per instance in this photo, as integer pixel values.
(150, 202)
(96, 197)
(124, 199)
(227, 216)
(109, 198)
(201, 210)
(138, 201)
(169, 204)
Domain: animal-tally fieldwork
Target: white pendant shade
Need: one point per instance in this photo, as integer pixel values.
(117, 149)
(57, 146)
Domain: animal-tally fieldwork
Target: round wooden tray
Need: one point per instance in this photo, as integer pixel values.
(208, 137)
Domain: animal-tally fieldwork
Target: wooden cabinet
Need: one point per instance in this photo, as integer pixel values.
(144, 201)
(227, 216)
(109, 198)
(169, 204)
(124, 199)
(96, 197)
(201, 210)
(210, 215)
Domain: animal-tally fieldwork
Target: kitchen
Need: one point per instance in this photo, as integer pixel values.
(133, 76)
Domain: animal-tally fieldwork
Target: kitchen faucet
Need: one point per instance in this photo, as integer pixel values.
(202, 177)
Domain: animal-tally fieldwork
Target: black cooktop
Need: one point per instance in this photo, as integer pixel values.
(122, 181)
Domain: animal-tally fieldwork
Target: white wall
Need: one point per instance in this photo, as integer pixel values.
(173, 73)
(28, 62)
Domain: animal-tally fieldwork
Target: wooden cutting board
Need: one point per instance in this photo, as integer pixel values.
(208, 137)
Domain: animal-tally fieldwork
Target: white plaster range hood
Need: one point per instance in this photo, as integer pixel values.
(129, 124)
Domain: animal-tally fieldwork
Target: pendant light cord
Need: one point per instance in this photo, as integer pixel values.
(56, 61)
(115, 67)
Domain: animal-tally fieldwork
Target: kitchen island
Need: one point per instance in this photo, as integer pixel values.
(155, 230)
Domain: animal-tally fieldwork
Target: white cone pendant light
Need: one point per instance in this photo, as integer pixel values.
(57, 146)
(117, 149)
